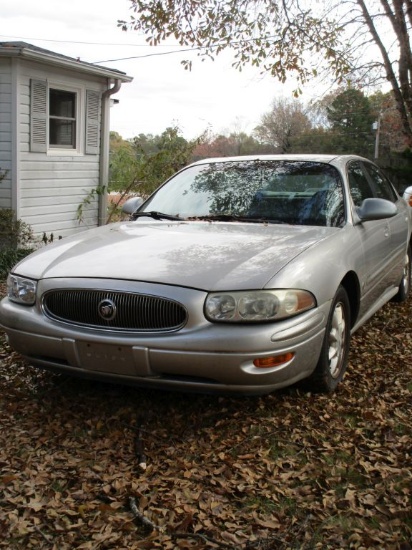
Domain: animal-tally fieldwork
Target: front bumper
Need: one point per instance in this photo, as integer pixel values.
(202, 356)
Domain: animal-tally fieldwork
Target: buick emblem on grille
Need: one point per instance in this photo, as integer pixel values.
(107, 309)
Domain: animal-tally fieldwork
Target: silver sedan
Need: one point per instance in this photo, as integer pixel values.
(241, 274)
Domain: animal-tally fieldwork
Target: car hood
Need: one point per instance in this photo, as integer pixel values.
(202, 255)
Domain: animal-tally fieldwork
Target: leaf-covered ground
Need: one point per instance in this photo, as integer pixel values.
(290, 470)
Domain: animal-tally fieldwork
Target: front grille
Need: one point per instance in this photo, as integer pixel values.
(124, 311)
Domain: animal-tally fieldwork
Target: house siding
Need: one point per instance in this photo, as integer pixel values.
(54, 158)
(5, 133)
(53, 184)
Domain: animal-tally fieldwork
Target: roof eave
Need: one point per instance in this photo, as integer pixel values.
(65, 63)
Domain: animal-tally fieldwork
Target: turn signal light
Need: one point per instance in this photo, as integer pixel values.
(275, 361)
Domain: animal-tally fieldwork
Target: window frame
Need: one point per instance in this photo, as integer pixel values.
(377, 188)
(369, 179)
(74, 120)
(87, 119)
(349, 170)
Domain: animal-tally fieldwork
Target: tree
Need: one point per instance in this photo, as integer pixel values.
(351, 123)
(386, 26)
(162, 156)
(140, 165)
(215, 146)
(318, 140)
(353, 38)
(388, 122)
(283, 125)
(237, 143)
(267, 34)
(124, 165)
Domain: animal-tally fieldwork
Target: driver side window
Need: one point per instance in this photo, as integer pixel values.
(359, 185)
(383, 188)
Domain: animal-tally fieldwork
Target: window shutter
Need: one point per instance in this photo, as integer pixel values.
(38, 116)
(92, 122)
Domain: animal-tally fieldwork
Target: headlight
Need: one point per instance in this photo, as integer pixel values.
(258, 305)
(21, 290)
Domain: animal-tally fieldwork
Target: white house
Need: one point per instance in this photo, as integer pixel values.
(54, 137)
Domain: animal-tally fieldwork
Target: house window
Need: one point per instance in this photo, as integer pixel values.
(62, 119)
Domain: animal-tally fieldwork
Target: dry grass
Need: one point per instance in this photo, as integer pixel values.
(290, 470)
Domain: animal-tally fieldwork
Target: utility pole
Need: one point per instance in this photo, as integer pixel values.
(377, 126)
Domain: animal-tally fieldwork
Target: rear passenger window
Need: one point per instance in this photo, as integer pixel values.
(382, 186)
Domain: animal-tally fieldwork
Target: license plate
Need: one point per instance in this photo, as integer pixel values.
(106, 358)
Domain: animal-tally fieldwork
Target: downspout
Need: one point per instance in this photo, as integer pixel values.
(14, 172)
(104, 149)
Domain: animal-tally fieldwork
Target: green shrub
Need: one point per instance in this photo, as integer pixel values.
(9, 257)
(14, 233)
(16, 241)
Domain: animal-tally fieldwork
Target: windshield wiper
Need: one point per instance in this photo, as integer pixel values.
(233, 218)
(155, 215)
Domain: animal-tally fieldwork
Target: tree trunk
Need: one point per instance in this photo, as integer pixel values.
(401, 86)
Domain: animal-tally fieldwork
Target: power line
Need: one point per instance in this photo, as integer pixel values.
(151, 55)
(80, 42)
(112, 44)
(182, 50)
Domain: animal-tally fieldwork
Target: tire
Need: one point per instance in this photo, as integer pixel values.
(334, 354)
(405, 284)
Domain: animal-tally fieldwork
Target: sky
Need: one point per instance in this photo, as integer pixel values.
(212, 96)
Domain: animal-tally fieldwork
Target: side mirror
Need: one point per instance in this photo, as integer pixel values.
(376, 209)
(407, 195)
(131, 205)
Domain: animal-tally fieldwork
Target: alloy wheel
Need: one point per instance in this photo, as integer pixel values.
(337, 338)
(406, 274)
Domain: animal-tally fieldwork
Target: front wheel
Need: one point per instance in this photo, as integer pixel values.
(405, 285)
(334, 355)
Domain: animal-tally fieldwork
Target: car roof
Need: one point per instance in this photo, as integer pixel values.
(305, 157)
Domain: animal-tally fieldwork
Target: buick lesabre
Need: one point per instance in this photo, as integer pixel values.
(239, 275)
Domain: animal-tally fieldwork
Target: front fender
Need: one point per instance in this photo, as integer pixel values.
(322, 267)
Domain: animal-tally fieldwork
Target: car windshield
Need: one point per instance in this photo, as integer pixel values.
(275, 191)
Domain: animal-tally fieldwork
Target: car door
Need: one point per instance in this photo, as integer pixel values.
(398, 225)
(374, 238)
